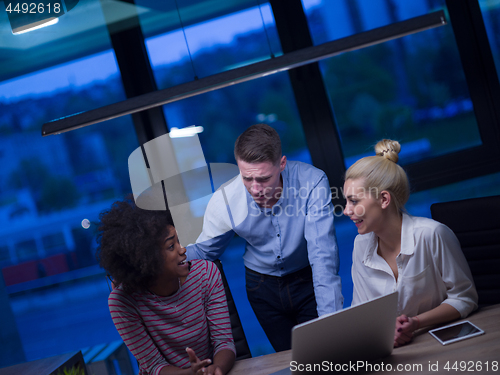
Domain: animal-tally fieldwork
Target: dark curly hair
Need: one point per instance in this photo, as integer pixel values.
(129, 246)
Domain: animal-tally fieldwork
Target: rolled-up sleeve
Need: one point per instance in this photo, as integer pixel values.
(461, 291)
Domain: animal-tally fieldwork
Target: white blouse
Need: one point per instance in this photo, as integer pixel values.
(431, 269)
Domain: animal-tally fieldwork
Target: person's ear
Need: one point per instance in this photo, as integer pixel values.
(385, 199)
(282, 163)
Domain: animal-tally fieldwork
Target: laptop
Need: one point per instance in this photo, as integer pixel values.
(332, 342)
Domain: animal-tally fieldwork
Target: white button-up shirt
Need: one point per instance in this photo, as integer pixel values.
(431, 269)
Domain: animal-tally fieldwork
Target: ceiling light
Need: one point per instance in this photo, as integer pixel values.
(185, 132)
(35, 26)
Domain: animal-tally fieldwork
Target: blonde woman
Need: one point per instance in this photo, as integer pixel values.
(418, 257)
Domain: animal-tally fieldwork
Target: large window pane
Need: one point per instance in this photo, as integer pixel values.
(53, 188)
(411, 89)
(491, 16)
(78, 33)
(226, 113)
(335, 19)
(216, 45)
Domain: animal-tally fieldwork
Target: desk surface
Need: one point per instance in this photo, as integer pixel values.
(424, 355)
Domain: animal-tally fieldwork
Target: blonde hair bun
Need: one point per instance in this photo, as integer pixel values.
(388, 149)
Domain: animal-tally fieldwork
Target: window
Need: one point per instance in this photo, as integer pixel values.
(226, 113)
(210, 45)
(433, 90)
(427, 90)
(330, 20)
(491, 15)
(411, 89)
(26, 250)
(50, 185)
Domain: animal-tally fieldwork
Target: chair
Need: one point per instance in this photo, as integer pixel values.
(240, 340)
(476, 223)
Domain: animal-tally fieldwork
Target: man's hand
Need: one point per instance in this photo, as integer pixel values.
(404, 330)
(198, 367)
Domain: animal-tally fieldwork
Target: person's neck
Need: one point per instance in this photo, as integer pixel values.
(166, 287)
(389, 236)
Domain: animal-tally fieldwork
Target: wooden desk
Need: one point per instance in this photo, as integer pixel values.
(425, 355)
(46, 366)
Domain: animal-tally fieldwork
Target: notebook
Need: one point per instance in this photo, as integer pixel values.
(333, 342)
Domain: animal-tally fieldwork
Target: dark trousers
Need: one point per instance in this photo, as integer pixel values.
(281, 303)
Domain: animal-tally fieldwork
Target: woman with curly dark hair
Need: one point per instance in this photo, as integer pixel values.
(168, 311)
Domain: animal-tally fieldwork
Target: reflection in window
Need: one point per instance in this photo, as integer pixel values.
(4, 254)
(411, 89)
(491, 16)
(49, 185)
(26, 250)
(216, 45)
(224, 114)
(54, 243)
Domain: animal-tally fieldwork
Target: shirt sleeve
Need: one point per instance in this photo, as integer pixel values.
(322, 249)
(219, 323)
(461, 291)
(217, 231)
(134, 334)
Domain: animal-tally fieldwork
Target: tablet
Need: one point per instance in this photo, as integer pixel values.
(455, 332)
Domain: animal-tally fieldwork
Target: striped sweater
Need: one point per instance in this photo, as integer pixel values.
(157, 329)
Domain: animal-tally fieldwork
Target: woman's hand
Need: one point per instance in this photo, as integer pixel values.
(198, 367)
(405, 327)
